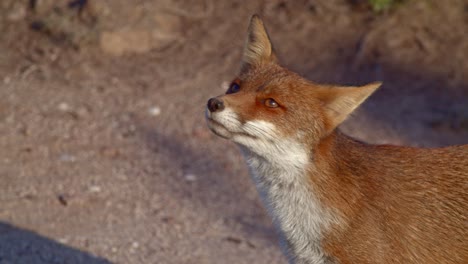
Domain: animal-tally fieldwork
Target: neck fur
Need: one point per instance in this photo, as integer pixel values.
(281, 175)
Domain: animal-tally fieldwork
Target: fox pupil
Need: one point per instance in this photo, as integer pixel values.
(234, 88)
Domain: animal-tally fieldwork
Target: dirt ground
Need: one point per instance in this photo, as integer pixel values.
(104, 152)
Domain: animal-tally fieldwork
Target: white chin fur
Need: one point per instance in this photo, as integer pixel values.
(259, 137)
(219, 130)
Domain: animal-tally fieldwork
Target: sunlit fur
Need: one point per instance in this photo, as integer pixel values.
(279, 168)
(334, 199)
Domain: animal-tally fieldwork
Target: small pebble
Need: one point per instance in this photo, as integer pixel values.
(135, 244)
(67, 157)
(63, 240)
(190, 177)
(155, 111)
(62, 200)
(63, 107)
(94, 189)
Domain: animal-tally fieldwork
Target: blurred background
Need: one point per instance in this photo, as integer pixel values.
(104, 152)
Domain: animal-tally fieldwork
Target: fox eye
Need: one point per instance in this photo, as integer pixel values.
(271, 103)
(234, 88)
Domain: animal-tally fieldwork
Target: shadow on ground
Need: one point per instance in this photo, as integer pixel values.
(216, 163)
(26, 247)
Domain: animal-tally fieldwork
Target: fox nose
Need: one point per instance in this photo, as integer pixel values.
(215, 104)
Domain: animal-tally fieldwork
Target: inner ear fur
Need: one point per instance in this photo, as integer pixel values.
(258, 48)
(340, 102)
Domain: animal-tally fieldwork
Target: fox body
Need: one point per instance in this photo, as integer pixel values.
(334, 199)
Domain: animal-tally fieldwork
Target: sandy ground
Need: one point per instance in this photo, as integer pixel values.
(104, 152)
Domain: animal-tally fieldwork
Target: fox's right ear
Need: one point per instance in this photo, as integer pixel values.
(258, 48)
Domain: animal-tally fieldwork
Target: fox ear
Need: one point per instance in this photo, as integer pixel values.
(339, 102)
(258, 46)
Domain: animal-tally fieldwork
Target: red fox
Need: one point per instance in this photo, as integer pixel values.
(334, 199)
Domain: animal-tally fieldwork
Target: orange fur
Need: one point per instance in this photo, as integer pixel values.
(399, 204)
(385, 204)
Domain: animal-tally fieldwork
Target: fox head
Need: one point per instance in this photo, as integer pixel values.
(268, 109)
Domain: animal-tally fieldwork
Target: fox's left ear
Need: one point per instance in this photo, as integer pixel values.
(258, 48)
(339, 102)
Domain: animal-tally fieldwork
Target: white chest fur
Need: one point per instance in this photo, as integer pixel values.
(291, 203)
(279, 169)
